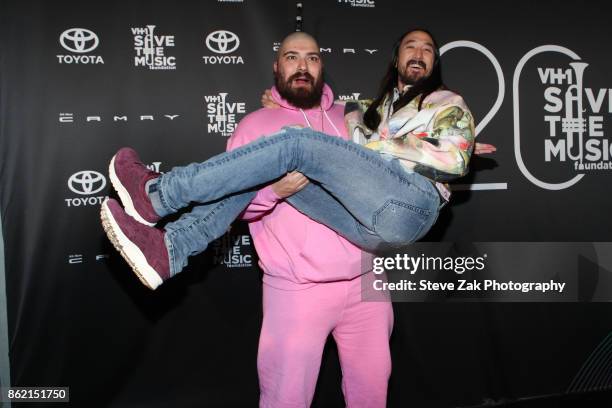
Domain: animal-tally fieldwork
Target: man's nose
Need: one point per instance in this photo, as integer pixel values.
(302, 65)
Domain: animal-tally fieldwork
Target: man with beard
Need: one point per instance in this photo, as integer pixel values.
(311, 284)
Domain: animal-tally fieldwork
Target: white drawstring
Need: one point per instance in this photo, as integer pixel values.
(306, 117)
(328, 119)
(332, 123)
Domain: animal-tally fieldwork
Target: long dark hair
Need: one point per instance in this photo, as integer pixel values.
(371, 118)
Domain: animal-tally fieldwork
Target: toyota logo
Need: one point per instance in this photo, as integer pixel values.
(222, 42)
(86, 182)
(79, 40)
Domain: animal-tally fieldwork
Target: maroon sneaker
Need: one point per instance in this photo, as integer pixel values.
(129, 176)
(141, 246)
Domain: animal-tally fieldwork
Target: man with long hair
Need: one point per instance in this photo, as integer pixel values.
(415, 117)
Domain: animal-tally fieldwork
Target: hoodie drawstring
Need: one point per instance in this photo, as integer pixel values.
(331, 123)
(326, 116)
(306, 118)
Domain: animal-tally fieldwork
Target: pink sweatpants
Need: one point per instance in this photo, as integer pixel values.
(295, 327)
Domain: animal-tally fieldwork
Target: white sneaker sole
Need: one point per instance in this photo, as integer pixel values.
(126, 200)
(128, 250)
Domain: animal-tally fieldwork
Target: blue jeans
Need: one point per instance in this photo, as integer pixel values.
(370, 200)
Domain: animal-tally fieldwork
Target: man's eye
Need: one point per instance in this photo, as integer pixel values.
(291, 57)
(314, 59)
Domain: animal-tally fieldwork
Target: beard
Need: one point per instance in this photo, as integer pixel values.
(301, 97)
(415, 79)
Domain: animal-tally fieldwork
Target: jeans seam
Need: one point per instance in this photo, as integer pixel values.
(264, 142)
(378, 164)
(162, 183)
(353, 148)
(198, 221)
(171, 256)
(189, 227)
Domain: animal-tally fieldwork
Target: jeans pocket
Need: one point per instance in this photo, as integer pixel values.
(400, 223)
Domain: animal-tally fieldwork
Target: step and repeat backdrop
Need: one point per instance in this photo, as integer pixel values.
(173, 79)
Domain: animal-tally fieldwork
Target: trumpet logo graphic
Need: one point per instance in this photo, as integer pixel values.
(221, 114)
(151, 49)
(573, 119)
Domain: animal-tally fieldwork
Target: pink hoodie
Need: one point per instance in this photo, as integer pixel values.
(294, 251)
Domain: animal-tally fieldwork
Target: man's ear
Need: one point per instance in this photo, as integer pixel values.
(275, 67)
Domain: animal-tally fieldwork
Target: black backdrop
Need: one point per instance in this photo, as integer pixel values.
(78, 318)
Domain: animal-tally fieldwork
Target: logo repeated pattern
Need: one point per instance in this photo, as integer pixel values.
(222, 114)
(150, 49)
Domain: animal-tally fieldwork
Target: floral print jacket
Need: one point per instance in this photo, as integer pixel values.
(436, 141)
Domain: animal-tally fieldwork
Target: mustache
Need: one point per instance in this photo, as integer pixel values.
(301, 75)
(418, 62)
